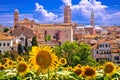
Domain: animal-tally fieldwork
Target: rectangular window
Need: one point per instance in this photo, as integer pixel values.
(116, 58)
(106, 45)
(12, 48)
(3, 44)
(97, 52)
(8, 44)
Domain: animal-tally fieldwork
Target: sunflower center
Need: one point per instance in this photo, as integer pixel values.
(5, 65)
(62, 61)
(2, 67)
(109, 68)
(79, 65)
(19, 59)
(22, 67)
(78, 71)
(43, 59)
(4, 60)
(10, 63)
(89, 72)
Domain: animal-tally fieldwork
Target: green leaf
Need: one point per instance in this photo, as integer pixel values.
(106, 78)
(2, 73)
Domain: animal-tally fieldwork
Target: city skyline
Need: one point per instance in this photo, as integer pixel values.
(106, 12)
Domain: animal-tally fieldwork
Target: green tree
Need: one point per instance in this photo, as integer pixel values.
(34, 41)
(102, 61)
(75, 53)
(20, 49)
(11, 54)
(26, 48)
(26, 42)
(47, 38)
(6, 29)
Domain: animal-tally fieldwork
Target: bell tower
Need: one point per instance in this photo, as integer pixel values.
(92, 19)
(67, 14)
(16, 17)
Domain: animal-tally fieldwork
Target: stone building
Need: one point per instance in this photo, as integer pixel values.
(67, 14)
(57, 32)
(16, 17)
(102, 51)
(6, 43)
(108, 50)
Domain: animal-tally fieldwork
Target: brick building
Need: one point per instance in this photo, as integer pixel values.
(58, 32)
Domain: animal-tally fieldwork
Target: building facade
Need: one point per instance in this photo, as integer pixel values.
(67, 14)
(6, 43)
(58, 32)
(102, 51)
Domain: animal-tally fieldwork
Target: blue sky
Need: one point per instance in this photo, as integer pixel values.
(107, 12)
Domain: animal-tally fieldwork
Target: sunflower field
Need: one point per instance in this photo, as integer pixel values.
(42, 63)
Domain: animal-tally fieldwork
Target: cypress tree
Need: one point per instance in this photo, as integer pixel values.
(26, 42)
(34, 41)
(26, 45)
(20, 50)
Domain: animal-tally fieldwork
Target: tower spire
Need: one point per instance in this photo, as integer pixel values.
(67, 14)
(92, 18)
(16, 17)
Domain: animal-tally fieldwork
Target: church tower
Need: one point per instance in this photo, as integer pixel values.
(67, 14)
(92, 19)
(16, 17)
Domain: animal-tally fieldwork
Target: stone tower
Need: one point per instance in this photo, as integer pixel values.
(67, 14)
(16, 17)
(92, 19)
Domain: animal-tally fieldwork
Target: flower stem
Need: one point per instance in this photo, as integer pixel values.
(48, 74)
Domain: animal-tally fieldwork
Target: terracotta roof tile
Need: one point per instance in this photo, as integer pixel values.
(4, 36)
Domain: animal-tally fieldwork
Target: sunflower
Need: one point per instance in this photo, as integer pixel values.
(43, 58)
(78, 71)
(55, 64)
(5, 60)
(109, 68)
(2, 67)
(100, 67)
(63, 61)
(20, 59)
(69, 68)
(10, 63)
(117, 67)
(6, 66)
(89, 72)
(78, 66)
(22, 68)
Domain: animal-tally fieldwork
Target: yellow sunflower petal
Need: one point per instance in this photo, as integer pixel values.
(42, 57)
(22, 68)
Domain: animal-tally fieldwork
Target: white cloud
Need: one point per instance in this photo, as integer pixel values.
(81, 12)
(43, 16)
(85, 7)
(67, 2)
